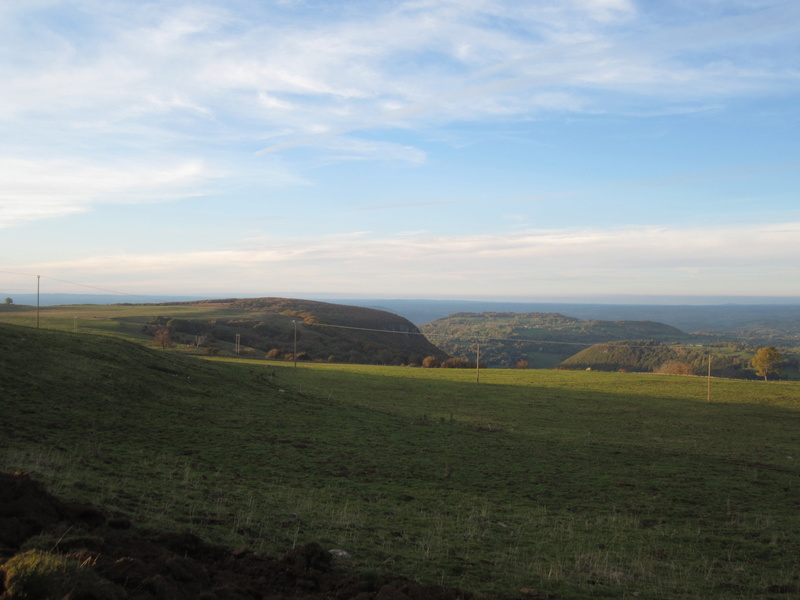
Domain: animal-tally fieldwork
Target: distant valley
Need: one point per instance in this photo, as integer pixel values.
(535, 340)
(774, 320)
(759, 323)
(391, 331)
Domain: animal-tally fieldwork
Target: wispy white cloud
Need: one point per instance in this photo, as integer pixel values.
(34, 189)
(102, 104)
(434, 60)
(734, 260)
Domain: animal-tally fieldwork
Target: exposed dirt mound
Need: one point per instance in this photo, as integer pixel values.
(173, 566)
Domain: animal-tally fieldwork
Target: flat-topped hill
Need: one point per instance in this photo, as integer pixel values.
(251, 327)
(541, 339)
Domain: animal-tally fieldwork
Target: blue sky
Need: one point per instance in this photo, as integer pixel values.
(427, 148)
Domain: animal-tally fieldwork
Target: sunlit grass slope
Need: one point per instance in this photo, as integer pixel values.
(118, 320)
(576, 484)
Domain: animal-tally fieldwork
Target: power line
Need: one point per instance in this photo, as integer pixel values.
(91, 287)
(426, 335)
(16, 273)
(483, 338)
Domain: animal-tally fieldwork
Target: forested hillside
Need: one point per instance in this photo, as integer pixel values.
(323, 331)
(536, 339)
(656, 357)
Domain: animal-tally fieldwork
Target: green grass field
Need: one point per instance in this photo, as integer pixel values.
(118, 320)
(575, 484)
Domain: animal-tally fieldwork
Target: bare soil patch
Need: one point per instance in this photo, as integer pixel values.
(180, 566)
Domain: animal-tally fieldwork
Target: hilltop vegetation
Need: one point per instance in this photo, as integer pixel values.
(574, 484)
(656, 357)
(323, 331)
(331, 332)
(534, 337)
(651, 357)
(765, 324)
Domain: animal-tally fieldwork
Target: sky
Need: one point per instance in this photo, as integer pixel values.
(516, 149)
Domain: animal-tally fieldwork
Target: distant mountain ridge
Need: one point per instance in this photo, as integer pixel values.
(754, 320)
(776, 319)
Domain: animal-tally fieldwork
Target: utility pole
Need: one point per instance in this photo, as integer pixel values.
(238, 338)
(38, 277)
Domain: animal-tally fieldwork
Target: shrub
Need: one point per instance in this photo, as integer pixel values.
(430, 362)
(675, 367)
(454, 363)
(273, 354)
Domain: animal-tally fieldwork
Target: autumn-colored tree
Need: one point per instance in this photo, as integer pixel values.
(273, 354)
(675, 367)
(766, 360)
(162, 338)
(522, 364)
(430, 362)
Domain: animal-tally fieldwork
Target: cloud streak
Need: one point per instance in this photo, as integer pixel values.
(342, 76)
(693, 261)
(31, 190)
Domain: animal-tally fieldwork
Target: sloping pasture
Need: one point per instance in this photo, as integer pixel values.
(575, 484)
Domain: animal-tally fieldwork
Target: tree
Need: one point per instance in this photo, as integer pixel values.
(430, 362)
(766, 360)
(8, 301)
(163, 338)
(522, 364)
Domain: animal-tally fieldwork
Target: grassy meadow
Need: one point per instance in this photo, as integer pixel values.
(573, 484)
(119, 320)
